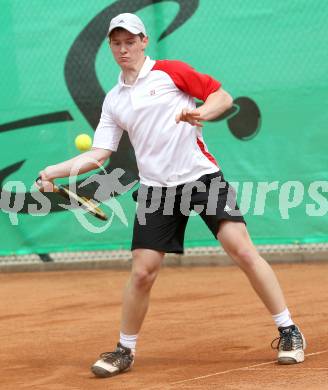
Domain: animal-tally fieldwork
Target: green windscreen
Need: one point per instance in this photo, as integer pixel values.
(272, 57)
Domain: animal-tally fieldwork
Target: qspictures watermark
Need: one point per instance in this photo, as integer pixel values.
(253, 199)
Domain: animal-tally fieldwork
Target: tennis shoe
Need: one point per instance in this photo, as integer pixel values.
(290, 345)
(113, 363)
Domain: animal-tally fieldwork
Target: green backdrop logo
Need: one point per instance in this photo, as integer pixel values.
(243, 118)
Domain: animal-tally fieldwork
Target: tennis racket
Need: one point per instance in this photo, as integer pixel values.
(87, 204)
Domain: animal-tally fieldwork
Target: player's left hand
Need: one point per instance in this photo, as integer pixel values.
(191, 116)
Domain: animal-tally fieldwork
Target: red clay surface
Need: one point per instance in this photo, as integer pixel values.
(206, 329)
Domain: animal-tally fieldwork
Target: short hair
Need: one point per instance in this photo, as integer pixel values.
(140, 35)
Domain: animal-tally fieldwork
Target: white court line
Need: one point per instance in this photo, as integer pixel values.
(238, 369)
(294, 368)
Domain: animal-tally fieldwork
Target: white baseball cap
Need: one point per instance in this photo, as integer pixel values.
(129, 22)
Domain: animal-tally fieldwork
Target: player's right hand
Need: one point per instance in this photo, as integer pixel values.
(44, 184)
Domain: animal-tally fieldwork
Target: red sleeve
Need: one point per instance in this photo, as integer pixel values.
(187, 79)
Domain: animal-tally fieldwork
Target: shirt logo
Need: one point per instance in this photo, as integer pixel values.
(152, 92)
(227, 208)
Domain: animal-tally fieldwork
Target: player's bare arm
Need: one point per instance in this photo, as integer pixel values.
(85, 162)
(216, 104)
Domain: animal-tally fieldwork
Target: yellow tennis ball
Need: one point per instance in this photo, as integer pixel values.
(83, 142)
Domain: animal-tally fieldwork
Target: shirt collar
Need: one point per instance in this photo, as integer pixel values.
(144, 71)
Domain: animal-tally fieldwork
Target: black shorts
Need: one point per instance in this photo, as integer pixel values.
(163, 212)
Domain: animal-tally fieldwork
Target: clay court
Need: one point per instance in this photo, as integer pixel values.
(205, 329)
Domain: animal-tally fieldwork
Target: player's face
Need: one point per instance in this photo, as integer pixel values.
(128, 49)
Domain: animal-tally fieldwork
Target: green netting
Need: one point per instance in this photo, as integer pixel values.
(55, 63)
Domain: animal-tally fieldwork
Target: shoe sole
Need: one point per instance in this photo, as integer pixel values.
(297, 358)
(102, 373)
(289, 361)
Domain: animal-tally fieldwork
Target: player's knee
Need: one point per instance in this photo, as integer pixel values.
(245, 257)
(144, 278)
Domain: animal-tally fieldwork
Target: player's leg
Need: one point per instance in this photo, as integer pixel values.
(146, 264)
(236, 242)
(145, 267)
(161, 232)
(227, 224)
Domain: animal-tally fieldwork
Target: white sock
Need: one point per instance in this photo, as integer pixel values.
(129, 341)
(283, 319)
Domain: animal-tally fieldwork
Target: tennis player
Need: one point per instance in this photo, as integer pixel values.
(154, 102)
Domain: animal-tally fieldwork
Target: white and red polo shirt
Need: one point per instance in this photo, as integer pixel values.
(167, 154)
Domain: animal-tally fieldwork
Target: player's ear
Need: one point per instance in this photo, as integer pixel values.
(144, 42)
